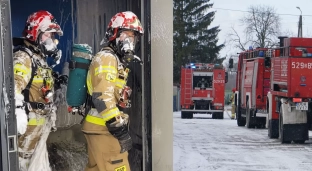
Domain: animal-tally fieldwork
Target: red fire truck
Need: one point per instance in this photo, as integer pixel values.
(202, 89)
(289, 101)
(252, 85)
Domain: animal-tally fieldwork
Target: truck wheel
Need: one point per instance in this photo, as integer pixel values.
(214, 116)
(282, 135)
(190, 115)
(273, 127)
(217, 115)
(184, 115)
(240, 120)
(261, 122)
(248, 118)
(309, 118)
(299, 141)
(220, 115)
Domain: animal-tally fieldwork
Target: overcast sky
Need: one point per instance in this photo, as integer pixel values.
(228, 13)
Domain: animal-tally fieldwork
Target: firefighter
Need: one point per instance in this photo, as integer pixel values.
(34, 81)
(105, 126)
(232, 100)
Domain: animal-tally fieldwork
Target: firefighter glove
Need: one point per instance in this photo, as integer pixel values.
(63, 79)
(119, 129)
(21, 116)
(59, 80)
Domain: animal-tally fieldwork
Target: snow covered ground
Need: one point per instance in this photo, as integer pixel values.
(205, 144)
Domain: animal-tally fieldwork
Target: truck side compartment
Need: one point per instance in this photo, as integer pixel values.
(218, 89)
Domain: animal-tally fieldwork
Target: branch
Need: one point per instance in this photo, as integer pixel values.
(235, 38)
(262, 24)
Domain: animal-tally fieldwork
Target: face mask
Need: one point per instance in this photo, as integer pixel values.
(126, 47)
(49, 45)
(125, 44)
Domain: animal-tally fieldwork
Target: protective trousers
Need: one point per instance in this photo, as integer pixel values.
(104, 150)
(233, 111)
(28, 141)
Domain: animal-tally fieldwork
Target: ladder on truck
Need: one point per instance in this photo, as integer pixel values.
(188, 86)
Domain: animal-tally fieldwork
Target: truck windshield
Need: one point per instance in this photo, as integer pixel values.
(202, 82)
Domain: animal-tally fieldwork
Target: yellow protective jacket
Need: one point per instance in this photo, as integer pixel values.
(23, 63)
(105, 80)
(232, 100)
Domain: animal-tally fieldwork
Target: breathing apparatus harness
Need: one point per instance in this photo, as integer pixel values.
(46, 88)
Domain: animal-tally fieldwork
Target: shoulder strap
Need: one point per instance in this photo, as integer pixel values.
(26, 90)
(74, 64)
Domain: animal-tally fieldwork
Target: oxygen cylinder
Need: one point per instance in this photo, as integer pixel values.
(78, 68)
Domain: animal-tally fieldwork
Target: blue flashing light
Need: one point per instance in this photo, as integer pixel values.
(193, 66)
(261, 54)
(192, 63)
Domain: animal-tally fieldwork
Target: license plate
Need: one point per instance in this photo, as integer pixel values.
(302, 106)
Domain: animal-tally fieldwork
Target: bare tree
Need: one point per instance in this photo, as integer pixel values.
(262, 27)
(237, 41)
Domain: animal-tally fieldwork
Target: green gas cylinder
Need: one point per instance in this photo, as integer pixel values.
(78, 70)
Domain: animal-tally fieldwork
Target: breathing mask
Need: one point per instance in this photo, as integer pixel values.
(126, 47)
(48, 46)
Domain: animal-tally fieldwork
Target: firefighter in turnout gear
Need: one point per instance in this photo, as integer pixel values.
(105, 126)
(232, 100)
(34, 81)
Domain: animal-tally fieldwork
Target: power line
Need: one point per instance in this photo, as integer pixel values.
(250, 11)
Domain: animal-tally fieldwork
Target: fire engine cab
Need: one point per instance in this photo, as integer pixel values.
(202, 89)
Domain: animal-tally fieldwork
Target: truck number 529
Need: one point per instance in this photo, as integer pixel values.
(301, 65)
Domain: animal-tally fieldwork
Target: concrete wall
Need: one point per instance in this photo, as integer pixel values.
(162, 76)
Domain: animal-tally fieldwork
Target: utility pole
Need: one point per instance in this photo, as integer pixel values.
(300, 23)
